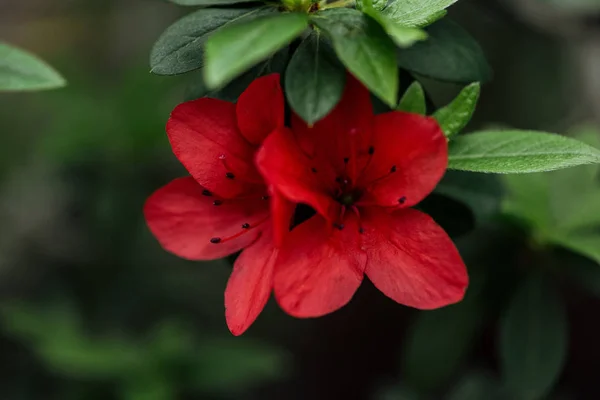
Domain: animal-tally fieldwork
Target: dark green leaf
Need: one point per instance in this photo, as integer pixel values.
(413, 100)
(481, 192)
(204, 3)
(314, 80)
(364, 48)
(533, 339)
(197, 88)
(416, 12)
(180, 48)
(439, 341)
(402, 35)
(516, 151)
(234, 49)
(456, 115)
(450, 54)
(23, 71)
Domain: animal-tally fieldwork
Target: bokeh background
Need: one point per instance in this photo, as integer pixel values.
(92, 308)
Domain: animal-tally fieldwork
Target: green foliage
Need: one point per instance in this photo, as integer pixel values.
(413, 100)
(415, 12)
(180, 48)
(23, 71)
(482, 193)
(314, 79)
(205, 3)
(562, 208)
(455, 116)
(477, 385)
(533, 339)
(143, 368)
(439, 341)
(233, 49)
(450, 54)
(514, 151)
(364, 48)
(402, 35)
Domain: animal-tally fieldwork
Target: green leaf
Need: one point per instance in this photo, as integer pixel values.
(585, 243)
(416, 12)
(180, 48)
(23, 71)
(533, 339)
(402, 35)
(450, 54)
(456, 115)
(314, 79)
(232, 50)
(481, 192)
(197, 88)
(515, 151)
(364, 48)
(528, 200)
(439, 341)
(413, 100)
(205, 3)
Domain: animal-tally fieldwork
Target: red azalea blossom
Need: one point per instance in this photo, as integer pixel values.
(361, 172)
(224, 206)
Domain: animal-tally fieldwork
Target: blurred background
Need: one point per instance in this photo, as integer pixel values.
(92, 308)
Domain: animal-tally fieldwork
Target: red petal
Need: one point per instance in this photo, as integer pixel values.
(203, 130)
(292, 173)
(282, 211)
(344, 131)
(250, 284)
(416, 147)
(412, 260)
(184, 220)
(260, 109)
(319, 270)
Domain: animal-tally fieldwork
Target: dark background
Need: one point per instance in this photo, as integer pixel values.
(92, 308)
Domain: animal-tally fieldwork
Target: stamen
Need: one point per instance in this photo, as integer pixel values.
(371, 152)
(265, 197)
(206, 192)
(346, 159)
(357, 212)
(245, 229)
(402, 200)
(354, 155)
(230, 175)
(314, 170)
(217, 202)
(393, 169)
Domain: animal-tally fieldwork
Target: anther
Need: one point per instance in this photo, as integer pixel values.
(230, 175)
(217, 203)
(265, 197)
(371, 150)
(338, 226)
(393, 169)
(314, 170)
(246, 226)
(361, 230)
(346, 159)
(206, 192)
(215, 240)
(402, 200)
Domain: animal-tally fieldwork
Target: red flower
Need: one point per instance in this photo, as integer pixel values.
(223, 207)
(361, 173)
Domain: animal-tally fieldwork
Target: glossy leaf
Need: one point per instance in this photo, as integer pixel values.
(234, 49)
(314, 80)
(413, 100)
(456, 115)
(533, 339)
(23, 71)
(180, 48)
(402, 35)
(416, 12)
(450, 54)
(364, 48)
(197, 88)
(515, 151)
